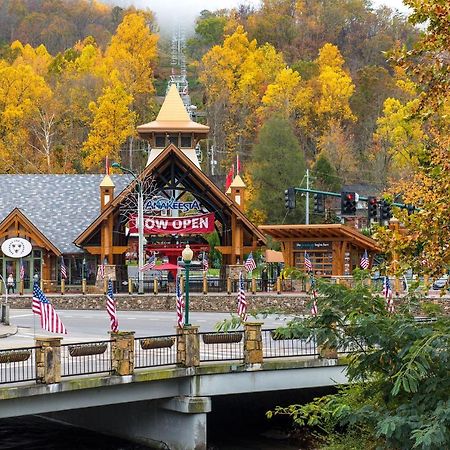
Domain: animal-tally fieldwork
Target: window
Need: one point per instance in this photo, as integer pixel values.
(322, 262)
(186, 141)
(160, 140)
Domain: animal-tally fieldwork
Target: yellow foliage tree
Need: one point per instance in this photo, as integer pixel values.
(112, 123)
(334, 87)
(22, 92)
(38, 58)
(399, 137)
(132, 53)
(235, 76)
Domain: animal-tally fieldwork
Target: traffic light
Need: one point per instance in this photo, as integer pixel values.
(411, 209)
(319, 203)
(372, 208)
(348, 203)
(289, 198)
(385, 211)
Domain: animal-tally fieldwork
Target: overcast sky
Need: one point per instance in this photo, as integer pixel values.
(170, 12)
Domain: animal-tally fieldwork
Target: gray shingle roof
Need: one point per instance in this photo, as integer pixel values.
(60, 206)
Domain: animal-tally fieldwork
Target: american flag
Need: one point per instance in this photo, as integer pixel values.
(111, 308)
(250, 263)
(387, 292)
(242, 302)
(364, 263)
(308, 264)
(205, 262)
(63, 269)
(180, 303)
(22, 270)
(150, 263)
(50, 320)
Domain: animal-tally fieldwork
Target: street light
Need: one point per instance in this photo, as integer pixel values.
(140, 220)
(187, 255)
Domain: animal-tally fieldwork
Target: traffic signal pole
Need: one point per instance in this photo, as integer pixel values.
(338, 194)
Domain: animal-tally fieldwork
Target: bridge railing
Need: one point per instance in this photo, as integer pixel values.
(277, 346)
(49, 361)
(154, 351)
(221, 346)
(86, 358)
(17, 365)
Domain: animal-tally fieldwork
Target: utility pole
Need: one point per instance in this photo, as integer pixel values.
(307, 198)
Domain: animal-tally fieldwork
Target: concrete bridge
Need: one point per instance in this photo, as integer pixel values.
(160, 400)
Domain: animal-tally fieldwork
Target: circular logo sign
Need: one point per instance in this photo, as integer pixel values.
(16, 247)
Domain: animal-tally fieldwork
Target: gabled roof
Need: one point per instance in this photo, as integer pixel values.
(321, 232)
(31, 230)
(194, 174)
(172, 117)
(59, 206)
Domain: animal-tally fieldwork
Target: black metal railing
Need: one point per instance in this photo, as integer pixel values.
(17, 365)
(155, 351)
(86, 358)
(221, 346)
(276, 346)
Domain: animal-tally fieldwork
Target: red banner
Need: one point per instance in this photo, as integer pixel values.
(174, 225)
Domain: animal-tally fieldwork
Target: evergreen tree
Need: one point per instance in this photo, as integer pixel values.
(278, 163)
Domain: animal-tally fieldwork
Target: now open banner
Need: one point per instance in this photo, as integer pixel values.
(203, 223)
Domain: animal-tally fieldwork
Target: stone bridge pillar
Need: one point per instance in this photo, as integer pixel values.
(122, 352)
(188, 346)
(48, 360)
(253, 351)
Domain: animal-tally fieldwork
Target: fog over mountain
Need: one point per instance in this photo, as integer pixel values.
(170, 13)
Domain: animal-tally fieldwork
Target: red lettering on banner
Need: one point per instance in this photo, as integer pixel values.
(174, 225)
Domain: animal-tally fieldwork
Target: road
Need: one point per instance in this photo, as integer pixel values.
(85, 326)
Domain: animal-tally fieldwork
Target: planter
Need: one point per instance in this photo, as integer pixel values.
(222, 338)
(87, 349)
(327, 352)
(278, 337)
(163, 342)
(14, 356)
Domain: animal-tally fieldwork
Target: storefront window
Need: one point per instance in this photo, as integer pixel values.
(322, 262)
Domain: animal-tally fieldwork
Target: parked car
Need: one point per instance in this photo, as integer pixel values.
(440, 283)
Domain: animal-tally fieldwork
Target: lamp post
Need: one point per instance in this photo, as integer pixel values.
(140, 219)
(187, 255)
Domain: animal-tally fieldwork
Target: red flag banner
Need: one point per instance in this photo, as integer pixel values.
(200, 224)
(229, 178)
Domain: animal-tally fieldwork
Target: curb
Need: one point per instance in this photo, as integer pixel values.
(12, 330)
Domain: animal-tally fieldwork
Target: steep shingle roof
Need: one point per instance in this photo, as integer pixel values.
(60, 206)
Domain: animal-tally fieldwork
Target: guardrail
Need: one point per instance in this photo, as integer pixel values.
(221, 346)
(277, 346)
(124, 353)
(154, 351)
(17, 365)
(85, 358)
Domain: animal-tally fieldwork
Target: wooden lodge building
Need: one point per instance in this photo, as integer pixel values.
(89, 221)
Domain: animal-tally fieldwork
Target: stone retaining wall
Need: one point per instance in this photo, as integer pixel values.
(288, 303)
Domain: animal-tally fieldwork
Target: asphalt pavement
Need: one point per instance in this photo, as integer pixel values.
(88, 326)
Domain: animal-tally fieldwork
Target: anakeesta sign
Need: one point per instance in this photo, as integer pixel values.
(200, 224)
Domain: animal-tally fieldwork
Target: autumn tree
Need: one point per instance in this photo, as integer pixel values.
(22, 91)
(278, 163)
(423, 243)
(235, 75)
(112, 123)
(132, 53)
